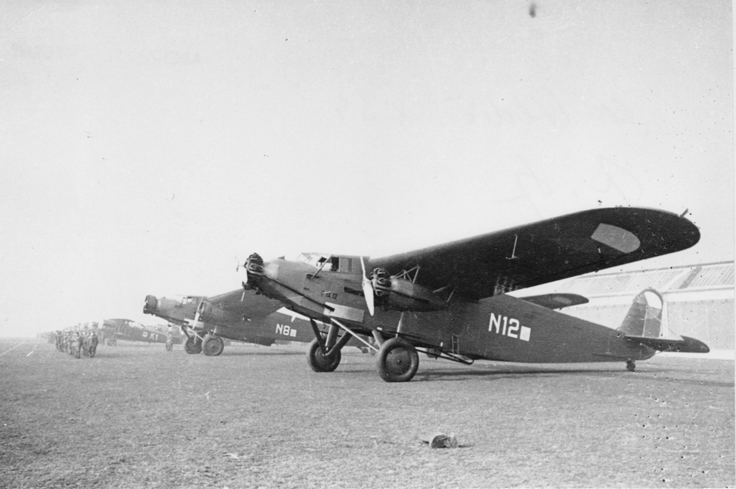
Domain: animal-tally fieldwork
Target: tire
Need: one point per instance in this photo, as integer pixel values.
(398, 361)
(212, 345)
(318, 361)
(193, 345)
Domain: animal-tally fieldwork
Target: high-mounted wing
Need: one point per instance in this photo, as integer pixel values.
(229, 300)
(545, 251)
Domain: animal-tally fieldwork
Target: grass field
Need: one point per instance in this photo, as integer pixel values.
(136, 416)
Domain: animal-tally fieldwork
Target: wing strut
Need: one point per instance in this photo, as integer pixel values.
(513, 251)
(350, 332)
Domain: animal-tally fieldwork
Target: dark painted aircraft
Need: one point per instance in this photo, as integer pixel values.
(450, 301)
(236, 315)
(112, 330)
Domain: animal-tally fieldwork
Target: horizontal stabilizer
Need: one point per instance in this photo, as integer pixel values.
(684, 345)
(556, 301)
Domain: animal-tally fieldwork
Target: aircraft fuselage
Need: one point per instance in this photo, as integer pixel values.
(501, 327)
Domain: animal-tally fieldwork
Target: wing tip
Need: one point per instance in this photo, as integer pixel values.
(664, 231)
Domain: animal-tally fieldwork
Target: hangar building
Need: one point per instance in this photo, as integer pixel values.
(699, 299)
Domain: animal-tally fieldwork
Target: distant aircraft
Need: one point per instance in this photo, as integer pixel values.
(236, 315)
(112, 330)
(450, 301)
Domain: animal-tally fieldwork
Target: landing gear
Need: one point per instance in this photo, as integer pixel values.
(398, 361)
(630, 365)
(319, 361)
(193, 345)
(212, 345)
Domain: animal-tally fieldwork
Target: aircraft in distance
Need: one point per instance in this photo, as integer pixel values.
(236, 315)
(450, 301)
(112, 330)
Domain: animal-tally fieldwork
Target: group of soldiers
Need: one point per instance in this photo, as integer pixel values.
(77, 343)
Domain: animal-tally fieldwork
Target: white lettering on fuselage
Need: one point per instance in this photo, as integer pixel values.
(508, 326)
(286, 330)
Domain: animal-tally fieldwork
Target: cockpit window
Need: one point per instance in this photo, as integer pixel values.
(318, 260)
(332, 264)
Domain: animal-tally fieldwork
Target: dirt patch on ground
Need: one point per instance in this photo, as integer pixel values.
(136, 416)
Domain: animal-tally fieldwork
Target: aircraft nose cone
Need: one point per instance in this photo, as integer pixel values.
(150, 305)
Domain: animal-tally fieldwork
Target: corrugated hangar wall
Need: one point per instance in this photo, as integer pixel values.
(699, 300)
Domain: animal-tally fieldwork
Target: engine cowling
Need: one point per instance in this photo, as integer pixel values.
(215, 314)
(402, 294)
(253, 271)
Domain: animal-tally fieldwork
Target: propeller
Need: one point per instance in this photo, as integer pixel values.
(244, 266)
(197, 313)
(238, 265)
(368, 292)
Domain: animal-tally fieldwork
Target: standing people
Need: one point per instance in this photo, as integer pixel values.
(169, 339)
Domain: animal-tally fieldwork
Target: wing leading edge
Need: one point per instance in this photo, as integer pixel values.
(546, 251)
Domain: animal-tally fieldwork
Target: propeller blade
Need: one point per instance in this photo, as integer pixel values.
(199, 309)
(368, 292)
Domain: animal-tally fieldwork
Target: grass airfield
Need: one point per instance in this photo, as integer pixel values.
(137, 416)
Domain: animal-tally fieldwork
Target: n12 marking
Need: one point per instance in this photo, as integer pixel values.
(285, 330)
(508, 326)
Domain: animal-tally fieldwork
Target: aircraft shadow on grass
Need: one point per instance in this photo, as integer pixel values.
(531, 373)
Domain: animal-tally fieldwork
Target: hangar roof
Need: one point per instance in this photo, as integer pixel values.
(701, 277)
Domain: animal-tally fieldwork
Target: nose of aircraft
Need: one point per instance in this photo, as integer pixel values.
(150, 305)
(253, 270)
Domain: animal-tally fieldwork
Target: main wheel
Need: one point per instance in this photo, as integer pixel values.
(193, 345)
(397, 361)
(630, 365)
(318, 361)
(212, 345)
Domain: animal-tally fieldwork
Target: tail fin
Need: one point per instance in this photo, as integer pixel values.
(643, 326)
(644, 318)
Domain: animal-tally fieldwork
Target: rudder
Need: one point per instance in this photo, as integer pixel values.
(644, 318)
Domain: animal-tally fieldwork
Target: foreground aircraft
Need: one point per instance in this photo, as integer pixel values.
(236, 315)
(450, 301)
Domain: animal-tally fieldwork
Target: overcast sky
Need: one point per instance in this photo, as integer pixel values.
(146, 145)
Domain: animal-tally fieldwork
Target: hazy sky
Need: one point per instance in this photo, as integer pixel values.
(146, 145)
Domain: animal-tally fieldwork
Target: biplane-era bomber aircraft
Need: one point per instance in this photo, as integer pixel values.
(112, 330)
(451, 301)
(236, 315)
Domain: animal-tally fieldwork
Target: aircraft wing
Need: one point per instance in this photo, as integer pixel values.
(556, 301)
(228, 300)
(546, 251)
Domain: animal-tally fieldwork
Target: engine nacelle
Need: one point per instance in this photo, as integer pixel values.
(215, 314)
(402, 294)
